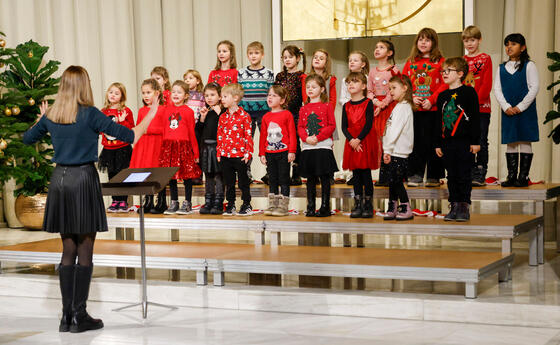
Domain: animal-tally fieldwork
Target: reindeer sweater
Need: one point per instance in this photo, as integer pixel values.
(426, 79)
(179, 125)
(480, 77)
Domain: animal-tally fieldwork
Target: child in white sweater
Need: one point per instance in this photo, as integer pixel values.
(398, 141)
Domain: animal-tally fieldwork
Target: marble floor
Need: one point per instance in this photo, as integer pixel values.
(35, 321)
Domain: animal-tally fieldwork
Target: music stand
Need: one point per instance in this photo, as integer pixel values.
(157, 179)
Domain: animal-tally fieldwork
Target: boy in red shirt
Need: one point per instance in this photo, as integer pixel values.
(479, 77)
(235, 148)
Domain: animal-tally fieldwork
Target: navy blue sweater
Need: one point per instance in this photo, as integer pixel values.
(76, 143)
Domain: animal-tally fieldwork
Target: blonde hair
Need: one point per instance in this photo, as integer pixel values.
(196, 74)
(234, 89)
(232, 59)
(357, 76)
(256, 45)
(155, 86)
(122, 103)
(328, 63)
(471, 31)
(321, 82)
(435, 53)
(364, 59)
(162, 71)
(74, 91)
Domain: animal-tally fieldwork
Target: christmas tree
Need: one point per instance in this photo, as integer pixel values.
(450, 113)
(313, 124)
(25, 80)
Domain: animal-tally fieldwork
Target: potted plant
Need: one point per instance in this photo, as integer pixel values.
(554, 113)
(25, 80)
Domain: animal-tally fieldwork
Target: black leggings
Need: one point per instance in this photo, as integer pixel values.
(312, 185)
(397, 170)
(363, 185)
(77, 245)
(175, 193)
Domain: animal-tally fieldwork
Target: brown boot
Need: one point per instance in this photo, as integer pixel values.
(272, 204)
(283, 204)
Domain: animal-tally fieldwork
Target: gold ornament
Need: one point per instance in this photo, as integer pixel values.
(8, 112)
(3, 144)
(31, 101)
(2, 43)
(15, 110)
(1, 64)
(30, 54)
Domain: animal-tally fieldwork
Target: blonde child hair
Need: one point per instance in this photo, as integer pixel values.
(328, 63)
(234, 89)
(321, 82)
(435, 53)
(256, 45)
(471, 31)
(232, 59)
(162, 71)
(122, 102)
(198, 77)
(364, 59)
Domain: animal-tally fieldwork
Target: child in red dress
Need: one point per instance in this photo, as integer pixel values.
(116, 154)
(315, 128)
(225, 71)
(180, 147)
(160, 74)
(146, 151)
(362, 151)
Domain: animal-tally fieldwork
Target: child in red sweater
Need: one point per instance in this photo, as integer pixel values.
(146, 151)
(180, 147)
(116, 154)
(277, 150)
(423, 67)
(315, 128)
(225, 71)
(479, 77)
(160, 74)
(235, 148)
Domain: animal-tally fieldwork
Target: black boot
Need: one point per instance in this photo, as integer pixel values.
(148, 203)
(525, 160)
(311, 195)
(218, 205)
(81, 321)
(325, 209)
(462, 214)
(208, 203)
(66, 277)
(161, 204)
(357, 210)
(367, 207)
(512, 160)
(383, 180)
(296, 178)
(452, 214)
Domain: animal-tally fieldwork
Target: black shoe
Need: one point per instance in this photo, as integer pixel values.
(462, 214)
(230, 209)
(452, 215)
(512, 160)
(148, 204)
(218, 205)
(81, 321)
(265, 179)
(245, 210)
(311, 194)
(525, 160)
(208, 202)
(66, 277)
(296, 181)
(357, 210)
(478, 176)
(367, 207)
(325, 209)
(161, 204)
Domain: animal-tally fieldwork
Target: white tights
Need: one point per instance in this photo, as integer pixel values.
(520, 146)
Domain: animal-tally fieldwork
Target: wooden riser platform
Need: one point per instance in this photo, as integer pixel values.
(466, 267)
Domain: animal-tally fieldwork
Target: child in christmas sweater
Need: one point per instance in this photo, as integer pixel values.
(225, 71)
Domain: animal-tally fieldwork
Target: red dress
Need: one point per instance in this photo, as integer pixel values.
(145, 153)
(370, 156)
(179, 147)
(166, 94)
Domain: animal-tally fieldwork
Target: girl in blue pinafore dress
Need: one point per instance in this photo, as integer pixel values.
(516, 88)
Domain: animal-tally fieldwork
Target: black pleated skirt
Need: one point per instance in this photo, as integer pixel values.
(74, 201)
(317, 162)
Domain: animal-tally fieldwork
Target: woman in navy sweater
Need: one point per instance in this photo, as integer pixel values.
(74, 205)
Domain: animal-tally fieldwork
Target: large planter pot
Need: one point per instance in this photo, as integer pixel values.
(30, 210)
(9, 203)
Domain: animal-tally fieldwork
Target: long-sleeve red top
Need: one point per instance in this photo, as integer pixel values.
(325, 117)
(223, 77)
(280, 133)
(179, 125)
(426, 79)
(234, 135)
(122, 117)
(480, 77)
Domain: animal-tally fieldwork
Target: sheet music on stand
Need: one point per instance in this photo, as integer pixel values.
(144, 181)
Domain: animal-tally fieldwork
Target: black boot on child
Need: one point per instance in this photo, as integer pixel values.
(525, 160)
(512, 160)
(357, 210)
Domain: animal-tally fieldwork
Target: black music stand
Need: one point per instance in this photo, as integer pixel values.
(157, 179)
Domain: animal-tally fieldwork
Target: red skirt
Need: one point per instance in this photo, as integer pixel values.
(368, 158)
(380, 120)
(146, 152)
(179, 153)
